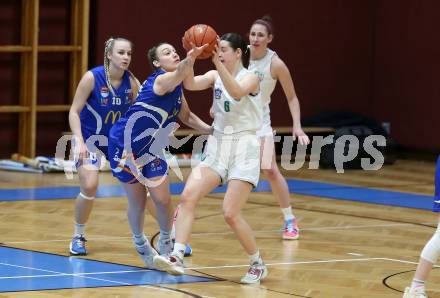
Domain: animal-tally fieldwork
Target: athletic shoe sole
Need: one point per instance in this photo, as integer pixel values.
(291, 237)
(72, 253)
(164, 264)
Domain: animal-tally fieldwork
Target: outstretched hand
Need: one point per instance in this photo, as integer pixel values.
(196, 51)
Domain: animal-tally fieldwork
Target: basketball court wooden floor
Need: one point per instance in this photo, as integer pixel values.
(349, 247)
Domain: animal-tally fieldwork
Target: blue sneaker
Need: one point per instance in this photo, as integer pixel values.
(188, 251)
(78, 246)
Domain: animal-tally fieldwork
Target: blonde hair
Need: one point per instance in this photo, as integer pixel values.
(108, 48)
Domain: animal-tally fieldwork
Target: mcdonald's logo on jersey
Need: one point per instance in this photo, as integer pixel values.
(174, 113)
(114, 115)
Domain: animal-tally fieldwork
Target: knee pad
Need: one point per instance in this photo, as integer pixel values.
(83, 196)
(431, 251)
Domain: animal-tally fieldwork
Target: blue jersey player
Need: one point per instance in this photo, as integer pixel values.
(137, 141)
(103, 95)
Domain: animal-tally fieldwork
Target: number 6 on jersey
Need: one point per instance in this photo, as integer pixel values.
(227, 109)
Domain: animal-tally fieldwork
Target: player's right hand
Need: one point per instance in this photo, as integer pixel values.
(196, 51)
(80, 151)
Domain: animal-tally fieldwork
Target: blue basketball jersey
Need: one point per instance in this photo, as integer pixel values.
(102, 109)
(143, 131)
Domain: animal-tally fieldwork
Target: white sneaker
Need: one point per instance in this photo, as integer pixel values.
(171, 264)
(256, 273)
(416, 293)
(147, 254)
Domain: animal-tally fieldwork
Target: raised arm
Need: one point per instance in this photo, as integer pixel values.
(282, 73)
(192, 120)
(200, 82)
(168, 81)
(237, 89)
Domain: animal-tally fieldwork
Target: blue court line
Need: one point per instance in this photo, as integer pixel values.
(310, 188)
(24, 270)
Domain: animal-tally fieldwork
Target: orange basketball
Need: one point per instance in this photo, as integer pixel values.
(199, 35)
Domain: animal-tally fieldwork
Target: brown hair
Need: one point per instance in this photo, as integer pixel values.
(266, 21)
(152, 55)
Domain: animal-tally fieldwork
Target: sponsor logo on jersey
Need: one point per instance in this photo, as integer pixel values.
(104, 92)
(113, 115)
(155, 165)
(120, 160)
(128, 96)
(259, 74)
(104, 102)
(217, 93)
(116, 157)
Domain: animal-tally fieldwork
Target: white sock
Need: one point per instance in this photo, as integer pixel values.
(417, 283)
(139, 239)
(79, 229)
(287, 212)
(255, 258)
(142, 244)
(179, 250)
(164, 235)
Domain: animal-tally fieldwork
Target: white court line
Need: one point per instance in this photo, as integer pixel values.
(224, 233)
(87, 275)
(401, 261)
(313, 262)
(58, 274)
(406, 262)
(288, 263)
(65, 274)
(25, 267)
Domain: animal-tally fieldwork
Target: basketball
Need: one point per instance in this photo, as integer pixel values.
(199, 35)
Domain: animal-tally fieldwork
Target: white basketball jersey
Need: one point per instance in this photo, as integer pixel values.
(232, 116)
(261, 68)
